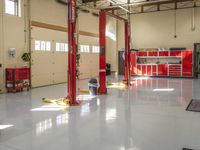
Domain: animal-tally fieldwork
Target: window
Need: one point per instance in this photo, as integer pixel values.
(85, 48)
(95, 49)
(61, 47)
(37, 45)
(42, 45)
(12, 7)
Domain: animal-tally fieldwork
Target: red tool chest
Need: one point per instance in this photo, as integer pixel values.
(177, 63)
(17, 79)
(187, 63)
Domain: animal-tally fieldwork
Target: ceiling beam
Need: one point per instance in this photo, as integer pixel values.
(160, 10)
(144, 4)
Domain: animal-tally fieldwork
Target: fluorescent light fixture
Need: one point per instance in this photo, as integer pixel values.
(2, 127)
(163, 90)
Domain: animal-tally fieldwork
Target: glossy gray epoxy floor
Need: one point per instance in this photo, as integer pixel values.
(149, 116)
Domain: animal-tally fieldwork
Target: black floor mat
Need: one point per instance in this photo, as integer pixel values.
(187, 149)
(194, 105)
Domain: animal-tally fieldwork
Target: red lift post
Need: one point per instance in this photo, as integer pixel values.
(127, 54)
(72, 46)
(102, 56)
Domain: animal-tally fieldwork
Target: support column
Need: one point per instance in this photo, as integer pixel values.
(127, 54)
(102, 55)
(72, 46)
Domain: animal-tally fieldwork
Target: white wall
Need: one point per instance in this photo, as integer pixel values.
(111, 43)
(1, 45)
(153, 30)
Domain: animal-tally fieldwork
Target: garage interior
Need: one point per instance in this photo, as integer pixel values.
(99, 74)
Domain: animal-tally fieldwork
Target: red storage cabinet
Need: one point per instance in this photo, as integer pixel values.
(164, 53)
(175, 53)
(144, 69)
(163, 69)
(174, 70)
(149, 70)
(17, 79)
(142, 53)
(181, 67)
(154, 70)
(139, 70)
(187, 63)
(152, 53)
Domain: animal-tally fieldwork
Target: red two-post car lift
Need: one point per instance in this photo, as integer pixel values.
(72, 45)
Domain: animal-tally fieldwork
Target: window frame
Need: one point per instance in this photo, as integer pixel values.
(85, 48)
(95, 49)
(61, 47)
(42, 45)
(16, 8)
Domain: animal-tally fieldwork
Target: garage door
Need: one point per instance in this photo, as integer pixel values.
(49, 57)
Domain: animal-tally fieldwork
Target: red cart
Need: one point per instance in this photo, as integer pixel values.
(17, 79)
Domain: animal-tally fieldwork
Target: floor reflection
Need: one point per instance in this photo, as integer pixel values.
(171, 90)
(111, 114)
(62, 119)
(43, 126)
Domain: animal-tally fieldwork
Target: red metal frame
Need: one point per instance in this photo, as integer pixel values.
(72, 46)
(102, 56)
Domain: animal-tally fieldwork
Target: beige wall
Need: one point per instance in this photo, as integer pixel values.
(120, 35)
(48, 11)
(13, 35)
(153, 30)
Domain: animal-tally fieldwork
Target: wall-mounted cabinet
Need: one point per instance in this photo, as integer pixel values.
(174, 63)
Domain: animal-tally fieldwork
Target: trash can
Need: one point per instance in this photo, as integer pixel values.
(108, 69)
(93, 86)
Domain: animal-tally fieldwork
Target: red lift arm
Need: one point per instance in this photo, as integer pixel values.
(72, 46)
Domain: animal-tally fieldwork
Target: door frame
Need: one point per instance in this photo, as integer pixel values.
(194, 60)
